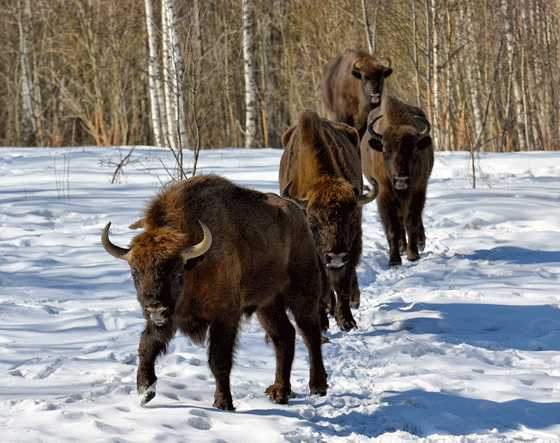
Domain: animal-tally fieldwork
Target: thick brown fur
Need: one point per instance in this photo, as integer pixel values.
(262, 259)
(348, 98)
(405, 152)
(321, 167)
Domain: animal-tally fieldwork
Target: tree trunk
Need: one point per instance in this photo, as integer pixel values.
(154, 79)
(176, 77)
(370, 36)
(517, 108)
(250, 76)
(29, 121)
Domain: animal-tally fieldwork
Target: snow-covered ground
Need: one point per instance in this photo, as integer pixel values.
(463, 345)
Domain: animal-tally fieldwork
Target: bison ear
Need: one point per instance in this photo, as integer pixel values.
(286, 136)
(376, 144)
(356, 73)
(424, 142)
(387, 72)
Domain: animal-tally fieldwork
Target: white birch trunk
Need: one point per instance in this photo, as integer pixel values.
(29, 122)
(154, 79)
(435, 74)
(369, 35)
(250, 76)
(474, 82)
(516, 90)
(166, 51)
(176, 77)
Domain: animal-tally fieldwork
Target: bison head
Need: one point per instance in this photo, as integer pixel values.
(158, 259)
(372, 74)
(333, 209)
(400, 146)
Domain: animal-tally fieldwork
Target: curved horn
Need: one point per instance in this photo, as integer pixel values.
(200, 248)
(114, 250)
(370, 196)
(426, 129)
(357, 65)
(372, 131)
(387, 61)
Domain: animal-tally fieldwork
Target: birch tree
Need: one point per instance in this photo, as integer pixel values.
(154, 78)
(517, 108)
(250, 75)
(29, 119)
(370, 35)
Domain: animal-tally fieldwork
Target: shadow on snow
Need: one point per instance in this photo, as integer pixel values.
(490, 326)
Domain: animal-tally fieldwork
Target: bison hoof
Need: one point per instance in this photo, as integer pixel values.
(354, 304)
(318, 390)
(395, 261)
(324, 339)
(278, 393)
(224, 404)
(412, 255)
(346, 324)
(145, 395)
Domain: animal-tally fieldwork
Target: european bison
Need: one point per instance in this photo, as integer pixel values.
(353, 86)
(255, 252)
(321, 169)
(397, 153)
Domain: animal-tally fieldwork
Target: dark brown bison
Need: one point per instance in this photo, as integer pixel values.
(397, 153)
(251, 252)
(321, 169)
(353, 86)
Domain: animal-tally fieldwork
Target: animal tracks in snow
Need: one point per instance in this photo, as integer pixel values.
(462, 345)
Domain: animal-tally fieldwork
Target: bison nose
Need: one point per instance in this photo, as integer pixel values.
(336, 261)
(401, 182)
(157, 314)
(375, 100)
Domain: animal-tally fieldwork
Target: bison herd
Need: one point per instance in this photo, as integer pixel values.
(212, 252)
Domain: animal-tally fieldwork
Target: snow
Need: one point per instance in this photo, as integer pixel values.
(463, 345)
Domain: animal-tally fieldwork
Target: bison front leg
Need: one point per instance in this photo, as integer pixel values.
(343, 286)
(220, 360)
(415, 227)
(388, 210)
(277, 326)
(355, 292)
(153, 342)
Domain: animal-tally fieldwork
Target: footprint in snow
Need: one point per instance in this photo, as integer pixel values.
(200, 423)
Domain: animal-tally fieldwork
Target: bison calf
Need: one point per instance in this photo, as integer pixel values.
(212, 252)
(321, 169)
(397, 153)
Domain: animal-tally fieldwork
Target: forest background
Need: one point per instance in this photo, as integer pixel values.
(223, 73)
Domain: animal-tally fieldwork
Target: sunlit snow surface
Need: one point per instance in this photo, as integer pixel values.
(463, 345)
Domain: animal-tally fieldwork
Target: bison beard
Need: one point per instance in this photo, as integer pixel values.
(254, 253)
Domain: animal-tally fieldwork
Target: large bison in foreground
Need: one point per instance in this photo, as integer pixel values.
(321, 169)
(353, 86)
(212, 252)
(397, 153)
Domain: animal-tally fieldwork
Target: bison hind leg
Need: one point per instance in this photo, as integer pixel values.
(280, 331)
